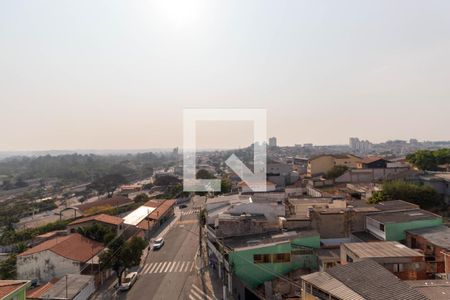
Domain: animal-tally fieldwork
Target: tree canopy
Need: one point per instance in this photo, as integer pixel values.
(166, 180)
(121, 255)
(98, 232)
(336, 171)
(428, 159)
(79, 168)
(11, 236)
(8, 268)
(107, 183)
(204, 174)
(424, 196)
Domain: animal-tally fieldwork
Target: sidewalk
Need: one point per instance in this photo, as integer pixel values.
(107, 290)
(208, 279)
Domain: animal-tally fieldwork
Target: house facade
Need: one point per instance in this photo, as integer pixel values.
(403, 262)
(57, 257)
(392, 226)
(321, 164)
(113, 222)
(434, 242)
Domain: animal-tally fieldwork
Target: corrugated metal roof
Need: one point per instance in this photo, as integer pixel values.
(439, 235)
(381, 249)
(374, 282)
(139, 214)
(327, 283)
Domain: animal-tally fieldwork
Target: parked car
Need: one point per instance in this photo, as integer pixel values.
(128, 281)
(158, 243)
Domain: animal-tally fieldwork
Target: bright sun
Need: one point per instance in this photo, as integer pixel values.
(180, 13)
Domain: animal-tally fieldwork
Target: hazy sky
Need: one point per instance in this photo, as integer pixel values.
(117, 74)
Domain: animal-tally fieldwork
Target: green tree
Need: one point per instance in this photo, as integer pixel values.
(204, 174)
(423, 159)
(141, 198)
(107, 184)
(422, 195)
(336, 171)
(8, 268)
(121, 255)
(166, 180)
(225, 186)
(97, 232)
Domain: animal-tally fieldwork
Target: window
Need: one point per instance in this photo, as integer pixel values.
(262, 258)
(382, 227)
(398, 268)
(282, 258)
(349, 259)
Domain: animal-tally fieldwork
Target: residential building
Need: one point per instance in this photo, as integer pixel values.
(245, 189)
(281, 174)
(130, 188)
(301, 206)
(362, 191)
(162, 212)
(328, 258)
(272, 142)
(392, 225)
(362, 280)
(360, 146)
(113, 222)
(221, 204)
(434, 242)
(253, 260)
(245, 217)
(337, 223)
(321, 164)
(57, 257)
(403, 262)
(372, 162)
(68, 287)
(370, 175)
(13, 289)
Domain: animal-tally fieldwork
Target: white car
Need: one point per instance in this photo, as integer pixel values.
(158, 243)
(128, 281)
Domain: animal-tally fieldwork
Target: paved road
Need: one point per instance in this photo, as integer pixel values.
(169, 273)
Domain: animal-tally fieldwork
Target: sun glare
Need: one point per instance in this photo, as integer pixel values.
(180, 13)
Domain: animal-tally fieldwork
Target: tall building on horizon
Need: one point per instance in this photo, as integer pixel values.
(272, 142)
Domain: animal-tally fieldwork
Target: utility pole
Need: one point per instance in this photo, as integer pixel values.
(200, 232)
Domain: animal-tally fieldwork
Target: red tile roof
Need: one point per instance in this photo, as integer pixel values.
(73, 246)
(104, 218)
(153, 203)
(9, 286)
(161, 210)
(39, 291)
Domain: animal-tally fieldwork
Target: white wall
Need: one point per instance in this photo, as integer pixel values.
(44, 266)
(374, 227)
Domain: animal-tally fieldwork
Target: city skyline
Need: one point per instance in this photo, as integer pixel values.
(112, 75)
